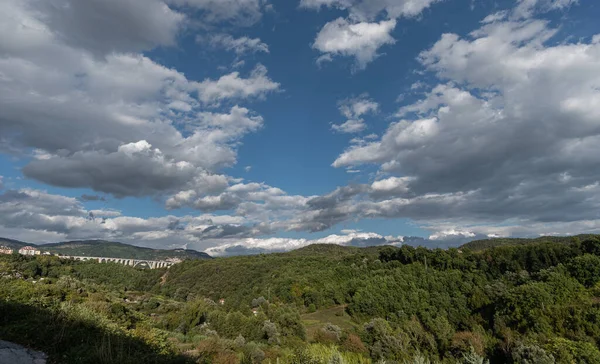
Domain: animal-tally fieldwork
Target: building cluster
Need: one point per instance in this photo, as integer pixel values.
(5, 250)
(26, 250)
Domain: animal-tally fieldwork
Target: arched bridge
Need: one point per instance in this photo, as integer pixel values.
(139, 263)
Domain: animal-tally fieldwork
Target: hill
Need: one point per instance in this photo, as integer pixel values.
(11, 243)
(102, 248)
(536, 302)
(476, 245)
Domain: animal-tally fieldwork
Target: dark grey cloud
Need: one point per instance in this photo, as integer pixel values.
(332, 199)
(85, 197)
(134, 170)
(106, 26)
(224, 231)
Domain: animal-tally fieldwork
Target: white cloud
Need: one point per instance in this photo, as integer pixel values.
(257, 202)
(500, 15)
(358, 106)
(350, 126)
(527, 8)
(359, 35)
(359, 40)
(232, 86)
(392, 185)
(369, 10)
(238, 12)
(491, 144)
(445, 234)
(354, 109)
(270, 245)
(120, 123)
(239, 46)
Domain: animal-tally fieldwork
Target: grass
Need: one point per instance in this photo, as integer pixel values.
(336, 315)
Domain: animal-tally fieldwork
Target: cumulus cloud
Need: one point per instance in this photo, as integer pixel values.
(121, 123)
(350, 126)
(526, 8)
(105, 26)
(360, 40)
(369, 10)
(267, 207)
(359, 35)
(239, 46)
(140, 169)
(238, 12)
(508, 138)
(232, 86)
(34, 215)
(353, 109)
(134, 169)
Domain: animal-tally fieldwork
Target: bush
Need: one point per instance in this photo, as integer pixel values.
(271, 333)
(586, 269)
(354, 344)
(531, 354)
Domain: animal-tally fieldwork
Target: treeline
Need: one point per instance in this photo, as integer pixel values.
(527, 303)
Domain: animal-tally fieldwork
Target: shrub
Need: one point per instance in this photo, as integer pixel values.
(354, 344)
(531, 354)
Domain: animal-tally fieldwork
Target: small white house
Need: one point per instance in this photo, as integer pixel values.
(5, 250)
(29, 250)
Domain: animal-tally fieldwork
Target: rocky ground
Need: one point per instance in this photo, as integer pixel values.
(17, 354)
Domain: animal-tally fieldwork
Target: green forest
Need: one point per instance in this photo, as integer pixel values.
(534, 301)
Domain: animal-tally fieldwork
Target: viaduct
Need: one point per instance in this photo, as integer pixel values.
(139, 263)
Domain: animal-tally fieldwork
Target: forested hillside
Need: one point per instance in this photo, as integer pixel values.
(495, 242)
(526, 303)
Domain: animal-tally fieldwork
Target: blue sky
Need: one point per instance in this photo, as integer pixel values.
(252, 125)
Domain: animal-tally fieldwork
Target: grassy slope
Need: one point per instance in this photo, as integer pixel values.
(336, 315)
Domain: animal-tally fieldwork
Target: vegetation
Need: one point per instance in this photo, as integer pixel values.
(101, 248)
(496, 242)
(536, 302)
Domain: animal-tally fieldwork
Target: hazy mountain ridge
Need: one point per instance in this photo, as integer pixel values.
(102, 248)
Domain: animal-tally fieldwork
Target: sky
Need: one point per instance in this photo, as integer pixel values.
(249, 126)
